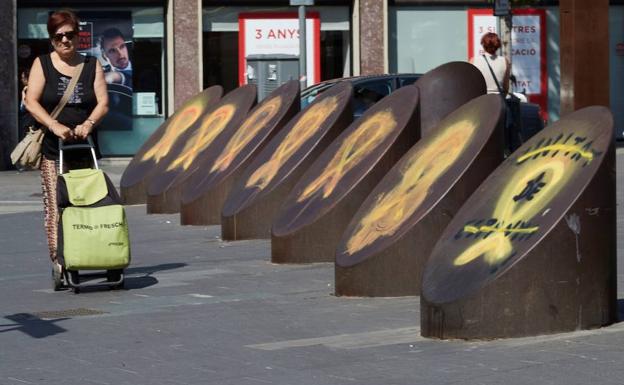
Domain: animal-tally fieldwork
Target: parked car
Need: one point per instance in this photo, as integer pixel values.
(367, 90)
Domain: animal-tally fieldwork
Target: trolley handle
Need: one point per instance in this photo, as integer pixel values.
(86, 146)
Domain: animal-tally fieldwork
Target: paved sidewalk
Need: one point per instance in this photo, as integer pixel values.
(199, 310)
(21, 191)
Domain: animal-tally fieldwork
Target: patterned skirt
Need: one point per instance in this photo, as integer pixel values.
(49, 176)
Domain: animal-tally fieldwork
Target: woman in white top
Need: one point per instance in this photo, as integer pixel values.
(500, 66)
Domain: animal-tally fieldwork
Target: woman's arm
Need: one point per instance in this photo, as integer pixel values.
(101, 108)
(36, 84)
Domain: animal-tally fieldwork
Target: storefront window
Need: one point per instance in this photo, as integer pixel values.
(221, 62)
(334, 51)
(129, 43)
(616, 67)
(221, 44)
(422, 38)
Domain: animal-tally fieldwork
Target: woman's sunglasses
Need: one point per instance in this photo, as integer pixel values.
(69, 35)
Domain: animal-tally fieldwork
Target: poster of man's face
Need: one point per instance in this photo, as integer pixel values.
(107, 36)
(115, 51)
(114, 48)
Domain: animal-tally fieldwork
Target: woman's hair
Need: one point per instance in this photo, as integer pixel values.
(490, 42)
(60, 18)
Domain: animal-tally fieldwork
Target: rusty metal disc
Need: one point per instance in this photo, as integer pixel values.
(290, 148)
(240, 143)
(446, 88)
(518, 205)
(420, 180)
(160, 143)
(189, 152)
(348, 160)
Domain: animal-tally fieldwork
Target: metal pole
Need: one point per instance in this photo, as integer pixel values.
(302, 47)
(508, 23)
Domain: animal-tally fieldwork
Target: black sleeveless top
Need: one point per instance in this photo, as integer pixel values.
(78, 108)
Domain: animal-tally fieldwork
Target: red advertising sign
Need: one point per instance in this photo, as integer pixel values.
(528, 48)
(85, 36)
(278, 33)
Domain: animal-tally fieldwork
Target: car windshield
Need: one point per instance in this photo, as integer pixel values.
(368, 93)
(367, 90)
(309, 94)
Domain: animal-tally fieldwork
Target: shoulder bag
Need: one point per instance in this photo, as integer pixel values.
(27, 153)
(513, 122)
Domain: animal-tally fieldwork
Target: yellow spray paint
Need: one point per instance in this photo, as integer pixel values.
(247, 132)
(303, 130)
(209, 129)
(354, 148)
(492, 229)
(571, 148)
(554, 172)
(419, 172)
(181, 122)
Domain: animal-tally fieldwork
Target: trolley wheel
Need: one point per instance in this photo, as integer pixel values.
(120, 286)
(114, 276)
(57, 279)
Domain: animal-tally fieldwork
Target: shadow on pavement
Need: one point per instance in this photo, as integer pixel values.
(147, 280)
(32, 325)
(135, 278)
(149, 270)
(132, 283)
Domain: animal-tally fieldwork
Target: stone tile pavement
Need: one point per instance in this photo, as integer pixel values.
(199, 310)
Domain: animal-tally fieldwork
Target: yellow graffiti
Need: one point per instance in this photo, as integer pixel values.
(354, 148)
(493, 249)
(303, 130)
(419, 172)
(492, 229)
(497, 247)
(180, 122)
(558, 147)
(247, 132)
(209, 129)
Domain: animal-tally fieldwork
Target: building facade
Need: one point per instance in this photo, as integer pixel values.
(178, 47)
